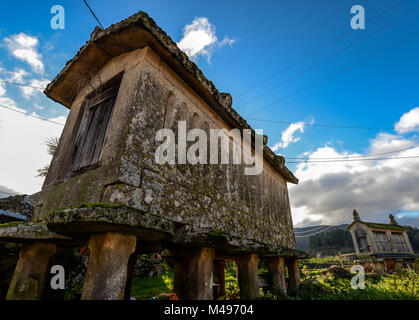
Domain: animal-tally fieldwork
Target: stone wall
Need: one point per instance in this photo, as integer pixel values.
(220, 197)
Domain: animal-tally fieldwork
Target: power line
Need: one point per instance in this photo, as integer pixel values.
(351, 157)
(336, 73)
(331, 125)
(93, 14)
(22, 85)
(343, 35)
(350, 160)
(311, 230)
(327, 59)
(342, 218)
(31, 115)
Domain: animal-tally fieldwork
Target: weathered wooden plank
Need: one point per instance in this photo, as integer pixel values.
(92, 132)
(103, 96)
(81, 137)
(86, 155)
(108, 107)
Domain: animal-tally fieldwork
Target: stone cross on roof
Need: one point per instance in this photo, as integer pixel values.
(392, 220)
(356, 215)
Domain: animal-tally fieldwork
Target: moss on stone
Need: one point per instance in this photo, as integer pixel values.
(217, 237)
(12, 224)
(384, 226)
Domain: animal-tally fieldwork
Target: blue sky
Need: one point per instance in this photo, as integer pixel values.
(249, 42)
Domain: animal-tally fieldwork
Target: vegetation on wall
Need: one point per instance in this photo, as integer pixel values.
(52, 144)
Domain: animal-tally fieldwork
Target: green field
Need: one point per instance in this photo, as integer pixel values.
(317, 283)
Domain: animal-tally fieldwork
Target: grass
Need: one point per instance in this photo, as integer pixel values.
(402, 285)
(320, 284)
(146, 288)
(317, 284)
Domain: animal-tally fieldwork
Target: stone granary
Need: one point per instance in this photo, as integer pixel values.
(103, 186)
(381, 243)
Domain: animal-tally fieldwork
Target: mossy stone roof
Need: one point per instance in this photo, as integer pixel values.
(382, 226)
(136, 32)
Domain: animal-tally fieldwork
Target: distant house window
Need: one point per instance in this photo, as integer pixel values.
(382, 241)
(361, 238)
(97, 111)
(399, 242)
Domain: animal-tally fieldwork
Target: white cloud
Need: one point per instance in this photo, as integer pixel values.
(288, 135)
(17, 75)
(409, 122)
(199, 38)
(22, 140)
(20, 76)
(6, 192)
(28, 92)
(331, 190)
(226, 41)
(2, 88)
(7, 102)
(24, 47)
(385, 142)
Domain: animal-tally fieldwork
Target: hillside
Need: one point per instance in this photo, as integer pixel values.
(303, 242)
(336, 239)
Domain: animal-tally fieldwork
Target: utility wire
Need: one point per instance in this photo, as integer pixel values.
(342, 36)
(331, 125)
(327, 58)
(342, 218)
(93, 14)
(336, 73)
(31, 115)
(311, 230)
(22, 85)
(351, 157)
(350, 160)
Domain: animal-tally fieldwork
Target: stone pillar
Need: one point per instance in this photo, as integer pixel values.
(106, 273)
(31, 272)
(380, 267)
(277, 273)
(248, 276)
(130, 275)
(199, 274)
(219, 277)
(179, 276)
(293, 274)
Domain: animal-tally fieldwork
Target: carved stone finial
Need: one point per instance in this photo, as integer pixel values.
(392, 220)
(356, 215)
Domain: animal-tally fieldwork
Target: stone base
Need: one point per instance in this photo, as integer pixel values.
(108, 266)
(380, 267)
(277, 271)
(31, 273)
(293, 274)
(248, 276)
(219, 278)
(199, 274)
